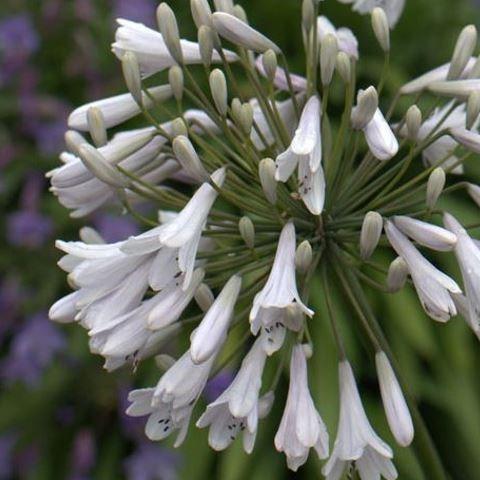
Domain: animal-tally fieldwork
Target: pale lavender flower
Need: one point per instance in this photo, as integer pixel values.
(150, 462)
(32, 350)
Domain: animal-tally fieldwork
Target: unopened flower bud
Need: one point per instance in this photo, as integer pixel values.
(303, 257)
(307, 350)
(205, 42)
(204, 297)
(266, 171)
(475, 71)
(435, 186)
(397, 275)
(224, 6)
(236, 108)
(96, 125)
(370, 234)
(270, 64)
(242, 34)
(473, 108)
(413, 121)
(73, 140)
(218, 88)
(308, 15)
(247, 231)
(240, 13)
(381, 28)
(246, 118)
(201, 13)
(90, 235)
(188, 158)
(164, 361)
(363, 112)
(464, 48)
(328, 57)
(175, 78)
(100, 168)
(179, 128)
(131, 74)
(344, 67)
(396, 409)
(167, 24)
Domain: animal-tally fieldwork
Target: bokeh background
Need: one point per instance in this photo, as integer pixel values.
(61, 414)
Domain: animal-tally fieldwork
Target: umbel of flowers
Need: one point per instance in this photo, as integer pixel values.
(258, 189)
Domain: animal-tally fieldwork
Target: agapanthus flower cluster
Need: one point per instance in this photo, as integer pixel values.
(257, 186)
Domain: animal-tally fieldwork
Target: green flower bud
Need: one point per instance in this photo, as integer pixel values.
(167, 24)
(303, 257)
(370, 234)
(381, 28)
(131, 74)
(247, 231)
(218, 88)
(464, 48)
(435, 186)
(266, 171)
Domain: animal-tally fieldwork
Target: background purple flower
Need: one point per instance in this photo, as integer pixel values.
(216, 386)
(83, 455)
(18, 40)
(151, 462)
(114, 228)
(7, 443)
(32, 349)
(142, 11)
(29, 229)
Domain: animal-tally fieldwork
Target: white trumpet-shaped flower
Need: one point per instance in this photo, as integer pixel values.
(151, 51)
(356, 440)
(346, 40)
(468, 257)
(301, 427)
(118, 109)
(441, 151)
(273, 324)
(435, 75)
(280, 290)
(162, 421)
(213, 329)
(239, 407)
(433, 287)
(178, 239)
(396, 409)
(426, 234)
(305, 151)
(380, 139)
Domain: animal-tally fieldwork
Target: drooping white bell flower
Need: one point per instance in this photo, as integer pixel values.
(213, 329)
(356, 440)
(426, 234)
(468, 257)
(305, 152)
(151, 51)
(380, 139)
(280, 290)
(433, 286)
(272, 323)
(396, 409)
(346, 40)
(239, 407)
(441, 148)
(435, 75)
(301, 427)
(118, 109)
